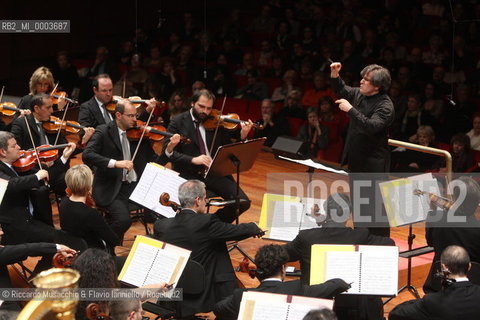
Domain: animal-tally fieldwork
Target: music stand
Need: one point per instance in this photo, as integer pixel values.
(235, 158)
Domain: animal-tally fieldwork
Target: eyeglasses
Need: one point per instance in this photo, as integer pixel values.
(134, 115)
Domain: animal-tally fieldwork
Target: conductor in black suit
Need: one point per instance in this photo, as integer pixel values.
(270, 261)
(190, 159)
(458, 299)
(25, 211)
(116, 175)
(93, 112)
(205, 235)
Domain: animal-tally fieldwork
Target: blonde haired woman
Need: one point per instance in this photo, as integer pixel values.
(41, 81)
(80, 220)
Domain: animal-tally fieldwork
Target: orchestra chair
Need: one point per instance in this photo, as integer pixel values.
(192, 282)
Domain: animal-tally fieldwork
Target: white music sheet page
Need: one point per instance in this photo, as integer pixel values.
(286, 220)
(156, 180)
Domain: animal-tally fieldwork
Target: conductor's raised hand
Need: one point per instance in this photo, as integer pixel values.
(335, 68)
(344, 105)
(202, 160)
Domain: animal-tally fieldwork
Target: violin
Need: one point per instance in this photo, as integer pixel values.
(55, 124)
(228, 121)
(165, 201)
(156, 133)
(60, 261)
(8, 109)
(89, 202)
(135, 101)
(28, 159)
(439, 201)
(57, 95)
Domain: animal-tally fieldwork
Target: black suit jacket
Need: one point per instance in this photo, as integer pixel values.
(19, 226)
(20, 131)
(90, 115)
(331, 233)
(183, 153)
(366, 146)
(457, 302)
(16, 253)
(104, 145)
(205, 235)
(228, 308)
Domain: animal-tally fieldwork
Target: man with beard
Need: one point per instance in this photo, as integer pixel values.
(190, 159)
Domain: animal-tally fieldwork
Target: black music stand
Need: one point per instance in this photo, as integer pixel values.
(235, 158)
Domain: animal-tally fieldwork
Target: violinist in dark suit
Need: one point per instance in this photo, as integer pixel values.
(93, 112)
(41, 110)
(205, 235)
(25, 211)
(116, 175)
(190, 159)
(270, 261)
(458, 299)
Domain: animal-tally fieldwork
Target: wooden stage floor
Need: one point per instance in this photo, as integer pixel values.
(267, 175)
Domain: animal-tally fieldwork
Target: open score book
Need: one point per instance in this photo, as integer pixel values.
(369, 269)
(152, 261)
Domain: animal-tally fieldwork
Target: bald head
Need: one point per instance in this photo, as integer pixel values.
(456, 260)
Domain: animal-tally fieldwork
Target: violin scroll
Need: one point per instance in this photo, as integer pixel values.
(165, 201)
(439, 201)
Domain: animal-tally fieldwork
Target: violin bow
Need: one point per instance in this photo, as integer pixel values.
(34, 147)
(63, 119)
(218, 125)
(1, 94)
(143, 132)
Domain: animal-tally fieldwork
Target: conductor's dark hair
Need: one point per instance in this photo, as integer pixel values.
(380, 76)
(456, 259)
(270, 260)
(204, 92)
(320, 314)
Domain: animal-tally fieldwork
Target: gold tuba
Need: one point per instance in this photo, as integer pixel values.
(59, 280)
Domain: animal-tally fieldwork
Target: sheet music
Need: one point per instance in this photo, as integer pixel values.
(298, 311)
(139, 267)
(286, 220)
(401, 204)
(162, 268)
(311, 163)
(379, 274)
(268, 310)
(346, 266)
(154, 181)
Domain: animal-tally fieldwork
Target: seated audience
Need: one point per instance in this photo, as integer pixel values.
(313, 133)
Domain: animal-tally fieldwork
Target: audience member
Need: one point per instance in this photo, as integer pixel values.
(313, 133)
(273, 125)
